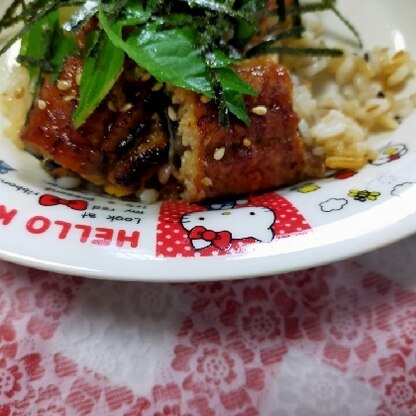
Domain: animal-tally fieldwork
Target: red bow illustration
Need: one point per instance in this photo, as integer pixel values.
(220, 239)
(48, 200)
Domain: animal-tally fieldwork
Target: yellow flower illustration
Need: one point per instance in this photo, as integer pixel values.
(364, 195)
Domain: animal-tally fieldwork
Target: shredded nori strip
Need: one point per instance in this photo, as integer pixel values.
(264, 47)
(211, 19)
(298, 51)
(331, 5)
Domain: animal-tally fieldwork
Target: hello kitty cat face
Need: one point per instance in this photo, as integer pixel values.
(238, 223)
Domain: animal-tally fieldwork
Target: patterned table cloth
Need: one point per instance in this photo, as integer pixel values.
(337, 340)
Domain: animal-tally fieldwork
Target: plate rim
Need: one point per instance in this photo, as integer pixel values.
(341, 250)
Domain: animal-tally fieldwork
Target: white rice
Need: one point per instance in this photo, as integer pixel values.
(341, 101)
(68, 182)
(15, 102)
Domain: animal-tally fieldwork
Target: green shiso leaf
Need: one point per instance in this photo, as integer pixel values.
(99, 74)
(192, 44)
(169, 55)
(36, 44)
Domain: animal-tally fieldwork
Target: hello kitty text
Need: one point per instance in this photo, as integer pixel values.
(63, 230)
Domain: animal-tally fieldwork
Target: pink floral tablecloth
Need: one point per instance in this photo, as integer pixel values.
(335, 340)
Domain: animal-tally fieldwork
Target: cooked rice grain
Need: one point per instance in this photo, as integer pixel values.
(358, 95)
(15, 102)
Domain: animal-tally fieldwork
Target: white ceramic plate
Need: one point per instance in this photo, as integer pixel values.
(47, 227)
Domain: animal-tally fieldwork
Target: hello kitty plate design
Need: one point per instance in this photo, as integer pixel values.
(304, 225)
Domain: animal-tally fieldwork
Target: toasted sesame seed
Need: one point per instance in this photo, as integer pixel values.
(146, 76)
(157, 87)
(206, 181)
(41, 104)
(172, 114)
(63, 85)
(69, 98)
(126, 107)
(204, 99)
(111, 106)
(78, 78)
(219, 153)
(260, 110)
(246, 142)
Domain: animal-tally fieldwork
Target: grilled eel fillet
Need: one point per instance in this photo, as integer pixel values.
(241, 159)
(121, 144)
(126, 142)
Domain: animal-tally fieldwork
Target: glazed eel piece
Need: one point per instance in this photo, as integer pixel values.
(129, 140)
(119, 146)
(238, 159)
